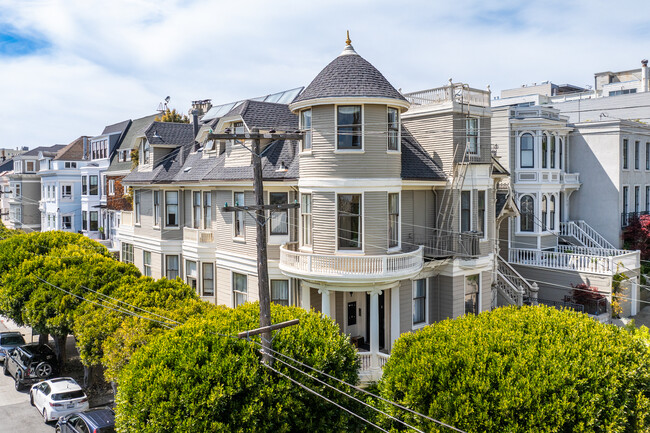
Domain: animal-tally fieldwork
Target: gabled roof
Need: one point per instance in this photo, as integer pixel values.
(416, 162)
(47, 150)
(265, 115)
(349, 75)
(73, 151)
(169, 133)
(498, 169)
(117, 127)
(7, 165)
(137, 129)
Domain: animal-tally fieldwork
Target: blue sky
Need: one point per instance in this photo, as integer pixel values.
(70, 67)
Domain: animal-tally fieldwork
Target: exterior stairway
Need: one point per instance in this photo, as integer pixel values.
(512, 286)
(582, 234)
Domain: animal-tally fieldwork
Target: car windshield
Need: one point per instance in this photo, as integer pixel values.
(71, 395)
(11, 340)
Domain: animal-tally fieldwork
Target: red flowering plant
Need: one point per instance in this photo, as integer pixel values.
(589, 297)
(636, 235)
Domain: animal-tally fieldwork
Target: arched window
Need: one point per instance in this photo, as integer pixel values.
(527, 152)
(552, 222)
(544, 212)
(552, 151)
(544, 150)
(526, 219)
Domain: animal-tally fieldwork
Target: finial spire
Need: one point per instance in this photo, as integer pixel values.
(348, 41)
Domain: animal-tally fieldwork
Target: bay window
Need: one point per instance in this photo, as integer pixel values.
(349, 221)
(348, 127)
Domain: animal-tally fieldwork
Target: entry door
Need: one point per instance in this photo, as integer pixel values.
(381, 319)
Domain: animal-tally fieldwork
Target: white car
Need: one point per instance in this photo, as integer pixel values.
(58, 397)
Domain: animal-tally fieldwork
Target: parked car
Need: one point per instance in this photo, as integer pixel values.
(58, 397)
(91, 421)
(30, 363)
(8, 342)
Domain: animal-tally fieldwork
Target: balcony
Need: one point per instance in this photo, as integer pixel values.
(456, 92)
(346, 268)
(198, 236)
(126, 219)
(601, 261)
(443, 243)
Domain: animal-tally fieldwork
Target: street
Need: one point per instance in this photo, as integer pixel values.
(16, 414)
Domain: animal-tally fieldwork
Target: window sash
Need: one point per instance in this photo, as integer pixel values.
(544, 151)
(146, 260)
(419, 301)
(66, 222)
(637, 147)
(279, 219)
(239, 288)
(349, 128)
(94, 185)
(84, 220)
(137, 197)
(171, 208)
(527, 151)
(196, 209)
(636, 199)
(465, 211)
(207, 276)
(625, 199)
(280, 292)
(480, 214)
(393, 220)
(238, 219)
(552, 151)
(84, 185)
(526, 219)
(156, 208)
(625, 152)
(94, 221)
(207, 210)
(393, 129)
(305, 210)
(172, 272)
(305, 125)
(127, 252)
(349, 221)
(471, 132)
(472, 290)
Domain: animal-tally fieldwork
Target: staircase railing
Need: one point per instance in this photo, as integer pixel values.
(511, 284)
(602, 242)
(584, 234)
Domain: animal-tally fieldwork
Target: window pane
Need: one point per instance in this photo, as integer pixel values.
(465, 211)
(279, 223)
(171, 203)
(393, 220)
(349, 220)
(349, 127)
(393, 129)
(172, 267)
(527, 153)
(208, 279)
(280, 292)
(305, 122)
(419, 301)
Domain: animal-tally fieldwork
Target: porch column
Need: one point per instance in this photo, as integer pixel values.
(305, 300)
(325, 302)
(374, 328)
(394, 315)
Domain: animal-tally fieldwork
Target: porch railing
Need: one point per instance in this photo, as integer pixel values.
(443, 243)
(456, 92)
(559, 260)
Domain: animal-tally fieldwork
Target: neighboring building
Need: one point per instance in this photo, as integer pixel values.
(396, 226)
(60, 203)
(10, 153)
(6, 168)
(25, 185)
(98, 222)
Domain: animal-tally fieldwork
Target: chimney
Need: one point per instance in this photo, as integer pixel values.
(195, 122)
(644, 75)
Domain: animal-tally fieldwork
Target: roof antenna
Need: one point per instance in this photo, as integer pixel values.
(348, 41)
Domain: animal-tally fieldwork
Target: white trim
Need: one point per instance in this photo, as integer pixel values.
(349, 100)
(369, 184)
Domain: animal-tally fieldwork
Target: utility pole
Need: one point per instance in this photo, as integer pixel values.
(260, 219)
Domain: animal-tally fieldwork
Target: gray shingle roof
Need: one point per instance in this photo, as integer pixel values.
(117, 127)
(349, 75)
(137, 128)
(48, 150)
(73, 151)
(7, 165)
(265, 115)
(170, 133)
(416, 162)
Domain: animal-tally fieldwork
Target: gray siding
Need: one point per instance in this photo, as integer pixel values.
(224, 225)
(324, 222)
(375, 208)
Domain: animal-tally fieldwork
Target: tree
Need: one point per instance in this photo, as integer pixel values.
(195, 379)
(522, 370)
(636, 235)
(172, 116)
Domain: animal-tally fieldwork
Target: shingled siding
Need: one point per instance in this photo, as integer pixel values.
(375, 208)
(373, 162)
(324, 222)
(117, 200)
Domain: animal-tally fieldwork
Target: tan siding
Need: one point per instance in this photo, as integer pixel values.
(224, 226)
(486, 291)
(407, 212)
(157, 266)
(324, 222)
(375, 210)
(138, 258)
(339, 310)
(406, 306)
(224, 287)
(374, 161)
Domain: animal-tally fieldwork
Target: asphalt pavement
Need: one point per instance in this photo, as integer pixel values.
(16, 414)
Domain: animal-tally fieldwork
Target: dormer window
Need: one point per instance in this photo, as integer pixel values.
(30, 166)
(393, 129)
(238, 127)
(305, 125)
(348, 127)
(145, 152)
(70, 165)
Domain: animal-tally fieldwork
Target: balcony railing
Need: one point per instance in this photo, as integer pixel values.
(456, 92)
(347, 267)
(126, 219)
(591, 263)
(628, 217)
(443, 243)
(198, 236)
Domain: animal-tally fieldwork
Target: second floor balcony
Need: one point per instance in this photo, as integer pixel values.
(205, 238)
(348, 268)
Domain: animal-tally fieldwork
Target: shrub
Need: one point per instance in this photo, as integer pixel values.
(192, 380)
(522, 370)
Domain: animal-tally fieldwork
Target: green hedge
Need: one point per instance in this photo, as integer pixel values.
(531, 369)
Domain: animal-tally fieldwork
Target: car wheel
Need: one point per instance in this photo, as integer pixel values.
(31, 398)
(17, 384)
(44, 370)
(44, 416)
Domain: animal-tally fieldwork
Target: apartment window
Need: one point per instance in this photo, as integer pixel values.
(561, 146)
(16, 190)
(146, 151)
(552, 151)
(647, 198)
(84, 185)
(527, 215)
(207, 210)
(472, 289)
(171, 208)
(94, 185)
(208, 279)
(94, 221)
(305, 215)
(280, 292)
(30, 167)
(239, 288)
(636, 199)
(137, 197)
(544, 212)
(172, 270)
(637, 156)
(66, 222)
(196, 209)
(544, 151)
(146, 260)
(419, 301)
(465, 211)
(305, 125)
(625, 156)
(527, 151)
(552, 213)
(156, 208)
(127, 252)
(111, 186)
(471, 132)
(191, 273)
(84, 220)
(349, 128)
(279, 218)
(393, 129)
(621, 92)
(70, 165)
(480, 214)
(349, 221)
(393, 220)
(625, 199)
(239, 215)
